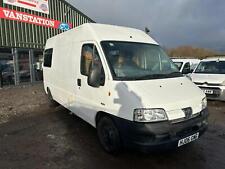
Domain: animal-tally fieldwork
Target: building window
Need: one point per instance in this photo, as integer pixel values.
(24, 66)
(6, 68)
(48, 57)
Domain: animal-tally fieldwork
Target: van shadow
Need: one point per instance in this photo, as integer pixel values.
(127, 99)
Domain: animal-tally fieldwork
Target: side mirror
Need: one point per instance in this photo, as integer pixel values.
(94, 75)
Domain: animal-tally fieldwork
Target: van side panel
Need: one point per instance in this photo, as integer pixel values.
(60, 77)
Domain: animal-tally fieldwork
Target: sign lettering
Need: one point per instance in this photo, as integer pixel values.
(32, 19)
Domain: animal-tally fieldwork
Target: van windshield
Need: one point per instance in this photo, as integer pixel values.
(211, 67)
(138, 61)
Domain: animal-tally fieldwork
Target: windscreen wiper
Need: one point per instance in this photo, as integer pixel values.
(159, 76)
(175, 74)
(152, 76)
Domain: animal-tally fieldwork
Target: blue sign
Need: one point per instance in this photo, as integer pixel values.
(64, 27)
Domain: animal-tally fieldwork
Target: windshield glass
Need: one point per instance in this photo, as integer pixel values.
(178, 64)
(211, 67)
(138, 61)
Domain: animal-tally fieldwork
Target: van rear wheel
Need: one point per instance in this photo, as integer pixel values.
(108, 135)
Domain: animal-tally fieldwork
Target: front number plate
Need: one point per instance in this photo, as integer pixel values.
(188, 139)
(208, 91)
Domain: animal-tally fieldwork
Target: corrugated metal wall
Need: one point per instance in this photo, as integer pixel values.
(24, 35)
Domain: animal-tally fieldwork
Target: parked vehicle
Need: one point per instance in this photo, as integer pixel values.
(210, 77)
(120, 81)
(186, 66)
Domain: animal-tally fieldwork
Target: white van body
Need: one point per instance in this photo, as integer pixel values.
(118, 99)
(183, 63)
(211, 82)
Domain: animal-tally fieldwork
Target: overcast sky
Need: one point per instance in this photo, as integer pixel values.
(172, 23)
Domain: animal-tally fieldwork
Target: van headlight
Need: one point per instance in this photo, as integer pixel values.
(204, 103)
(150, 115)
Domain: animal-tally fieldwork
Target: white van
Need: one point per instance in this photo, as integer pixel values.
(120, 81)
(186, 66)
(210, 77)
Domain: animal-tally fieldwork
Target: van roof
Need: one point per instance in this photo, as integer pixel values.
(193, 61)
(103, 32)
(185, 59)
(220, 58)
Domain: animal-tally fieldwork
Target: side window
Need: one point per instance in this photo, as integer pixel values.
(86, 58)
(97, 61)
(90, 57)
(187, 66)
(48, 57)
(96, 57)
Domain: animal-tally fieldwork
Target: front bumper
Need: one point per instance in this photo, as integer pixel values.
(218, 92)
(149, 136)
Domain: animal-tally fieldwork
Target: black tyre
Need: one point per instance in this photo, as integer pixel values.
(108, 135)
(52, 102)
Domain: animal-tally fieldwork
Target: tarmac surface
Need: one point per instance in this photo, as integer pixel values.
(36, 136)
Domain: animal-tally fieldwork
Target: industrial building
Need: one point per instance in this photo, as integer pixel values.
(25, 25)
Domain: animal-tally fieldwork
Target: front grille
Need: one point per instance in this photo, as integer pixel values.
(185, 119)
(212, 95)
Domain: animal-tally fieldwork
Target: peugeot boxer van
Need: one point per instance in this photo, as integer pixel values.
(121, 82)
(210, 77)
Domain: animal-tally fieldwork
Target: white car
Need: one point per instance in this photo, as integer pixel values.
(210, 77)
(121, 82)
(186, 66)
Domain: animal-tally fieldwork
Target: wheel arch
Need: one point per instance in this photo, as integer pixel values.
(99, 115)
(48, 91)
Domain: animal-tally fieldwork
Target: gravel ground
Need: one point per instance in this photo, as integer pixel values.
(20, 101)
(35, 136)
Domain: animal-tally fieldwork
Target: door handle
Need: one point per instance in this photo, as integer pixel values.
(79, 82)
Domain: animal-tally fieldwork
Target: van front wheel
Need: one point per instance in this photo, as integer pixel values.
(108, 135)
